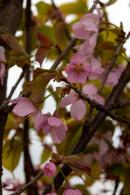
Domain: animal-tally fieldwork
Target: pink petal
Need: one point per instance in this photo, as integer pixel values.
(114, 75)
(54, 121)
(70, 99)
(58, 134)
(23, 107)
(89, 89)
(39, 120)
(78, 109)
(99, 99)
(72, 192)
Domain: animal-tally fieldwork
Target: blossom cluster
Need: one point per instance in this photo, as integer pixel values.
(85, 67)
(49, 124)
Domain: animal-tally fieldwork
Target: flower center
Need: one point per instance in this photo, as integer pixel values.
(78, 68)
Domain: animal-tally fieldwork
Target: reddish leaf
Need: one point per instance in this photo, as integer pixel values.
(44, 46)
(77, 162)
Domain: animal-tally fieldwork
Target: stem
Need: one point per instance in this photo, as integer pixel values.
(30, 183)
(15, 86)
(28, 166)
(63, 54)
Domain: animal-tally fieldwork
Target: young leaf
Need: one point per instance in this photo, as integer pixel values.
(11, 154)
(44, 45)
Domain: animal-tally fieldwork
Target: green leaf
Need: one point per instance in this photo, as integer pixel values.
(39, 86)
(11, 154)
(110, 2)
(43, 8)
(46, 154)
(78, 7)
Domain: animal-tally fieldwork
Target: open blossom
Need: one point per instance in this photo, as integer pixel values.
(49, 169)
(23, 107)
(78, 69)
(86, 48)
(96, 69)
(114, 75)
(91, 91)
(2, 65)
(78, 106)
(72, 192)
(52, 125)
(86, 26)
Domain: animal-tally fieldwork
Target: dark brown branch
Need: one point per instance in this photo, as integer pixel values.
(28, 166)
(10, 16)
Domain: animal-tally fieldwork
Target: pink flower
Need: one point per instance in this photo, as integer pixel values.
(114, 75)
(87, 48)
(77, 70)
(96, 70)
(49, 169)
(72, 192)
(78, 107)
(52, 125)
(91, 91)
(23, 107)
(2, 65)
(87, 25)
(39, 120)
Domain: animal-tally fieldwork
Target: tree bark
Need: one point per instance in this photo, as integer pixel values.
(10, 16)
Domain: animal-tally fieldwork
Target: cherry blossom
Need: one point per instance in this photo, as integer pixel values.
(39, 120)
(91, 91)
(49, 169)
(96, 69)
(52, 125)
(2, 65)
(86, 26)
(78, 69)
(72, 192)
(114, 75)
(23, 107)
(87, 47)
(78, 106)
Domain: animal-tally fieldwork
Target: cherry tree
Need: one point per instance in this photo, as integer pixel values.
(89, 82)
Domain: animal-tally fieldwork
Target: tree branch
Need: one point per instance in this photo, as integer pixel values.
(63, 54)
(30, 183)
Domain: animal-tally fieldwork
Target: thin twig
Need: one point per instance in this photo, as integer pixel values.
(25, 187)
(15, 85)
(117, 182)
(63, 54)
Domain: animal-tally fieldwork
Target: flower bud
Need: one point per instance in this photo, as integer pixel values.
(49, 169)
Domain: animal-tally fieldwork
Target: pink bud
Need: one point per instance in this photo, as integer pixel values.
(72, 192)
(49, 169)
